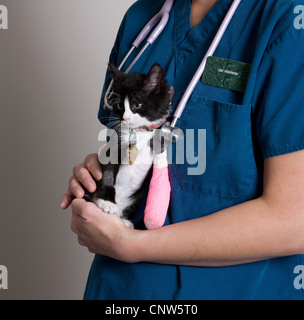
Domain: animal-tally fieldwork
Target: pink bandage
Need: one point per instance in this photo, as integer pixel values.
(158, 198)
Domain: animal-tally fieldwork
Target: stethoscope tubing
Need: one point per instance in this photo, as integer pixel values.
(217, 39)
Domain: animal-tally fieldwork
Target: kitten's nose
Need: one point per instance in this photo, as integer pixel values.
(126, 119)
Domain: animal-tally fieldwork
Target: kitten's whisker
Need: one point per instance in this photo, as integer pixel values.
(109, 118)
(113, 123)
(110, 121)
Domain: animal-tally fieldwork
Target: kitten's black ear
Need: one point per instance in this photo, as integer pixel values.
(116, 74)
(155, 79)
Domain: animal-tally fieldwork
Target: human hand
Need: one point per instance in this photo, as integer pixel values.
(82, 176)
(101, 232)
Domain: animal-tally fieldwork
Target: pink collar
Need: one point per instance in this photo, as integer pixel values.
(153, 126)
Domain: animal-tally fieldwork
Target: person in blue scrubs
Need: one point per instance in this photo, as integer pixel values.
(236, 231)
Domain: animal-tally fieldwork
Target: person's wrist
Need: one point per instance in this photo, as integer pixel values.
(130, 247)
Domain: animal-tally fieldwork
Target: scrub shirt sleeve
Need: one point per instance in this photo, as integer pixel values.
(279, 100)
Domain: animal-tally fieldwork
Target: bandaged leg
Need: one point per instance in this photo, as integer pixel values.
(159, 193)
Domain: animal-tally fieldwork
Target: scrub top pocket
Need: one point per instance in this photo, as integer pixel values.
(230, 166)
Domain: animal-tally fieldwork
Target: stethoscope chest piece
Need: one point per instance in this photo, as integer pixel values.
(169, 133)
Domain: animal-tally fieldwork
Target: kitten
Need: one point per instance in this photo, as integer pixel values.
(141, 103)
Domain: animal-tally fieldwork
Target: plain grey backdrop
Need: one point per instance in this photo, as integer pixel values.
(53, 60)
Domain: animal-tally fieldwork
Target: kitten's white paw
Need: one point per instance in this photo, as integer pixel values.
(107, 206)
(128, 223)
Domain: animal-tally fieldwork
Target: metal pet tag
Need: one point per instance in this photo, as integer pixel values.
(132, 153)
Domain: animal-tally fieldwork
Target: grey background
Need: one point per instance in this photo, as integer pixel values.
(53, 60)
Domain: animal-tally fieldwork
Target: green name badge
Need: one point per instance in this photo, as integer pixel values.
(228, 74)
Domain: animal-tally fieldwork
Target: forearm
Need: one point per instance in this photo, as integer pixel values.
(244, 233)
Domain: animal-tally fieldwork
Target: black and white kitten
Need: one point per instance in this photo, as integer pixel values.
(141, 103)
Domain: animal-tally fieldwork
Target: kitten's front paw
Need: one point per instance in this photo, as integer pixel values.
(107, 206)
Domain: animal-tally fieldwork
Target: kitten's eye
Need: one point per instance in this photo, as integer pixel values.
(120, 106)
(137, 105)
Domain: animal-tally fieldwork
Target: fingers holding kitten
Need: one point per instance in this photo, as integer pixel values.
(83, 176)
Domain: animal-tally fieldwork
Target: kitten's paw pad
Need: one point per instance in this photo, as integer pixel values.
(128, 223)
(107, 206)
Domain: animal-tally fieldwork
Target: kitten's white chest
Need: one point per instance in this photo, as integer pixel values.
(131, 177)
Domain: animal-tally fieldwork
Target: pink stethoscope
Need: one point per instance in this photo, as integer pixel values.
(162, 18)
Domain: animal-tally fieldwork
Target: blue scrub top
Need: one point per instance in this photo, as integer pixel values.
(242, 129)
